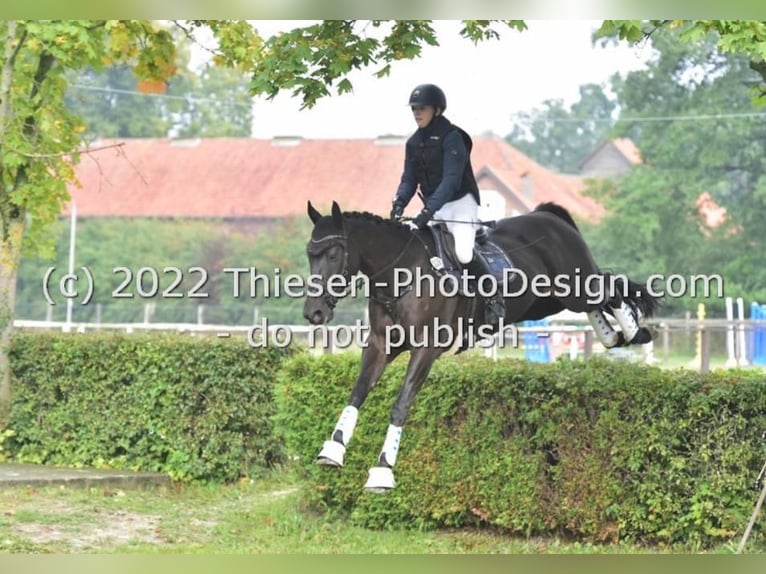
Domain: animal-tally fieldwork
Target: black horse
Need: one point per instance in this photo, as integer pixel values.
(414, 305)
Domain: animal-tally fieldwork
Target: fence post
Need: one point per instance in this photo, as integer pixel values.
(697, 360)
(742, 354)
(649, 357)
(148, 312)
(731, 346)
(704, 350)
(587, 349)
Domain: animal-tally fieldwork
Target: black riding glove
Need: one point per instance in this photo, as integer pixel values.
(396, 211)
(421, 221)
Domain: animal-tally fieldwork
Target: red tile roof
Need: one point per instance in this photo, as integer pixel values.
(237, 177)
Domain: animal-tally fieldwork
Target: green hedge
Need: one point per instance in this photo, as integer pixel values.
(197, 408)
(597, 450)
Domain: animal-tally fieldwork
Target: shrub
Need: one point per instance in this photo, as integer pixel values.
(597, 450)
(197, 408)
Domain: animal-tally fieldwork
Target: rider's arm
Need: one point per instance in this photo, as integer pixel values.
(408, 183)
(454, 161)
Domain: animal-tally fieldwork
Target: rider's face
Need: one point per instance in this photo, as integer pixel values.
(423, 115)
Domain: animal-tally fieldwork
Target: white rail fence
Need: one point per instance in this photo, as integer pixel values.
(571, 335)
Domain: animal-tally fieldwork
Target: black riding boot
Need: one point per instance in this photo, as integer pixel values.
(494, 308)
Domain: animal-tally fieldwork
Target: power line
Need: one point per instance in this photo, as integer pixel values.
(188, 98)
(694, 117)
(638, 119)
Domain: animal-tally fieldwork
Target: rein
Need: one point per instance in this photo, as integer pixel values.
(398, 257)
(491, 224)
(332, 300)
(388, 302)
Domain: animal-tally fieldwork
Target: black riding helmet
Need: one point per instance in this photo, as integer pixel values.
(428, 95)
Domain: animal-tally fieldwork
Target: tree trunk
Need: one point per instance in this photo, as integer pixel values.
(10, 256)
(10, 234)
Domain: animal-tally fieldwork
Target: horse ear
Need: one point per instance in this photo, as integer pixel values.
(313, 213)
(337, 216)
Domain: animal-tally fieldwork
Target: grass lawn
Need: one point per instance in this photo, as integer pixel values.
(252, 517)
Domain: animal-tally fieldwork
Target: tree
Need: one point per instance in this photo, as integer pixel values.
(214, 102)
(710, 140)
(111, 107)
(315, 60)
(560, 138)
(739, 37)
(218, 104)
(40, 138)
(209, 102)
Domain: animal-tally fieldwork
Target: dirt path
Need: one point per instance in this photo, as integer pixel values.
(105, 520)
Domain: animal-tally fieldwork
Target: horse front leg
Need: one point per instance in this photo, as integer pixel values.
(374, 362)
(381, 476)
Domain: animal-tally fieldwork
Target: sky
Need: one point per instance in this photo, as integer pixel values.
(486, 84)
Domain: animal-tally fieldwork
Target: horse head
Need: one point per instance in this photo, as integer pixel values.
(327, 252)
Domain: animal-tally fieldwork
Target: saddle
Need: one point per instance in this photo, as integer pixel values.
(445, 260)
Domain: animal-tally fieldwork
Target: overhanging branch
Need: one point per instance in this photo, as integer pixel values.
(87, 150)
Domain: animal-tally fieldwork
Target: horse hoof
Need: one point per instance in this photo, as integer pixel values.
(331, 454)
(380, 479)
(643, 337)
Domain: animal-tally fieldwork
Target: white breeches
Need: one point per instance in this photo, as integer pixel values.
(462, 219)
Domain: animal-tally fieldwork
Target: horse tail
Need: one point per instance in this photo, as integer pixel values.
(558, 211)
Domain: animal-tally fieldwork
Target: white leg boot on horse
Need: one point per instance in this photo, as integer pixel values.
(604, 331)
(381, 477)
(334, 450)
(631, 333)
(628, 319)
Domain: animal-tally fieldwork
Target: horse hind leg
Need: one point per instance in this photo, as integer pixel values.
(604, 331)
(627, 317)
(629, 303)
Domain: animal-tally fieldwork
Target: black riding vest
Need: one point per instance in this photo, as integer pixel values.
(425, 147)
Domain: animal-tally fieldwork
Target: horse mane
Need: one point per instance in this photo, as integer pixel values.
(374, 218)
(558, 211)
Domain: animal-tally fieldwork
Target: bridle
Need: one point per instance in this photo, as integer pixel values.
(332, 300)
(342, 239)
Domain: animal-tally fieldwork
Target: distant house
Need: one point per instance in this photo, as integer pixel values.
(239, 178)
(611, 159)
(616, 157)
(711, 214)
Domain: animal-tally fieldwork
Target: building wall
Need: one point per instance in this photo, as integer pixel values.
(607, 162)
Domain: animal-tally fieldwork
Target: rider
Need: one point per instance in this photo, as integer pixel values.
(437, 158)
